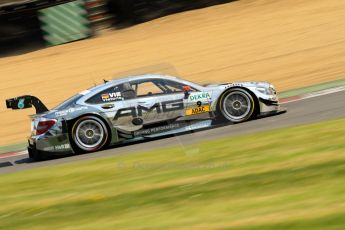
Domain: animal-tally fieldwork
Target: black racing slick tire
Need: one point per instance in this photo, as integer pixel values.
(89, 134)
(236, 105)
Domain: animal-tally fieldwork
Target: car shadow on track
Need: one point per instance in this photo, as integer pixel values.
(24, 161)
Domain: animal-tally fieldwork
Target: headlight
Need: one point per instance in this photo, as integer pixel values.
(272, 91)
(262, 90)
(267, 91)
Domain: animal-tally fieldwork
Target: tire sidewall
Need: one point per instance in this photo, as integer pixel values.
(99, 146)
(223, 114)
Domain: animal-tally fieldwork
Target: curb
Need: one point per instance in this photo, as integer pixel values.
(12, 148)
(312, 94)
(13, 154)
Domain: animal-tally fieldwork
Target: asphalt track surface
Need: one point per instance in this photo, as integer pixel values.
(310, 110)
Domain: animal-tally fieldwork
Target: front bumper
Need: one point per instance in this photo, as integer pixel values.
(268, 106)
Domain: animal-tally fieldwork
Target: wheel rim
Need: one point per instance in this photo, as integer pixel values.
(89, 134)
(237, 106)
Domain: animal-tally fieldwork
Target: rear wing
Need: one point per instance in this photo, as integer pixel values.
(27, 101)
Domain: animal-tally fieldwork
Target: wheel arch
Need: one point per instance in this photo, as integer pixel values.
(255, 98)
(71, 122)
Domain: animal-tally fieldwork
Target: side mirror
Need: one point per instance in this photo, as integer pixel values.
(186, 90)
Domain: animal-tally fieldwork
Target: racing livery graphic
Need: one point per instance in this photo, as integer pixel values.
(140, 107)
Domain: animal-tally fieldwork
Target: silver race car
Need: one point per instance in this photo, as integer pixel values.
(140, 107)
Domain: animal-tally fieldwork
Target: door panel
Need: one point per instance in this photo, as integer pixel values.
(132, 106)
(198, 105)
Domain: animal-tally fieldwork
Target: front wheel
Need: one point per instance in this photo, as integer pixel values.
(237, 105)
(89, 134)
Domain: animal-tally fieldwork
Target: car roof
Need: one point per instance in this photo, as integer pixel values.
(140, 77)
(131, 78)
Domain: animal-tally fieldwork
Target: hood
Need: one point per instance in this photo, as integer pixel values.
(242, 84)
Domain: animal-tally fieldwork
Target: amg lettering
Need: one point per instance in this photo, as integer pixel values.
(143, 108)
(174, 105)
(166, 106)
(131, 111)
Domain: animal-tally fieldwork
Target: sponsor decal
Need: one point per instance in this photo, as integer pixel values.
(64, 146)
(174, 128)
(57, 147)
(157, 129)
(139, 111)
(198, 110)
(105, 97)
(199, 96)
(21, 104)
(239, 84)
(70, 110)
(233, 85)
(111, 96)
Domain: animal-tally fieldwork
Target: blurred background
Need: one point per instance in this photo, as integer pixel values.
(26, 25)
(286, 178)
(54, 49)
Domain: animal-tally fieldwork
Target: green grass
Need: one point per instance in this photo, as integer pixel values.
(13, 148)
(313, 88)
(283, 179)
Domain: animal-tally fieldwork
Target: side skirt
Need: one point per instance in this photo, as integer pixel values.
(168, 129)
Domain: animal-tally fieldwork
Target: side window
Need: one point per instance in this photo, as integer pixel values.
(151, 87)
(176, 87)
(148, 88)
(111, 94)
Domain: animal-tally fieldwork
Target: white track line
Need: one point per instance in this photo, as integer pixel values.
(14, 154)
(22, 153)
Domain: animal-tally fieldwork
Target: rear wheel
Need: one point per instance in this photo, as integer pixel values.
(237, 105)
(89, 134)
